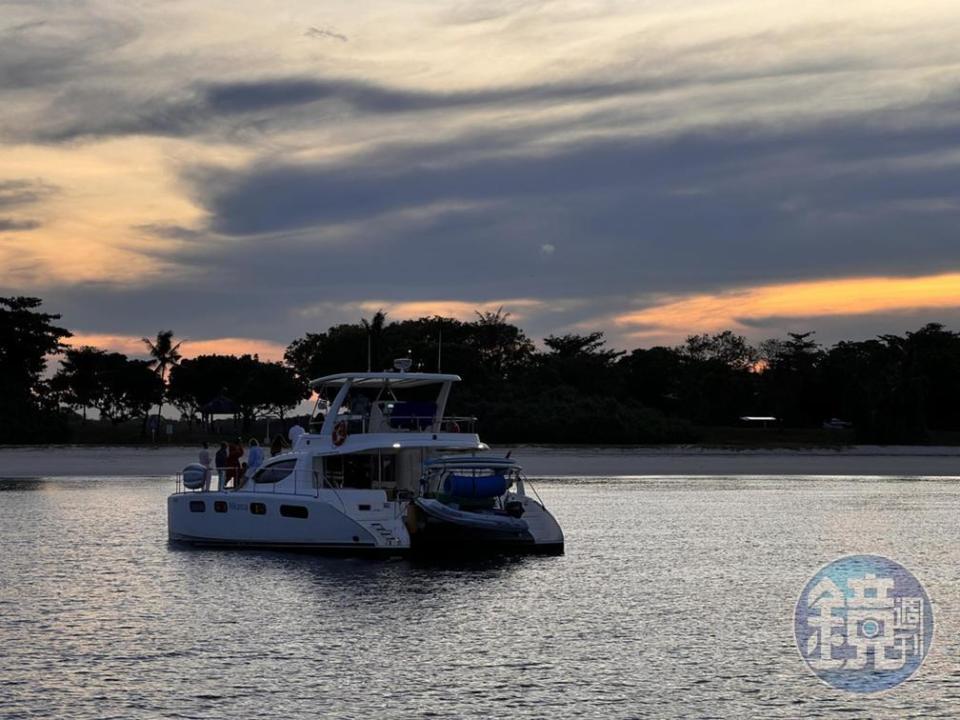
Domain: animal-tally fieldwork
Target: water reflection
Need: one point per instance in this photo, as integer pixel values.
(674, 599)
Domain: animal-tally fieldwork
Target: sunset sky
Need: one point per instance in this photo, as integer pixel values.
(246, 172)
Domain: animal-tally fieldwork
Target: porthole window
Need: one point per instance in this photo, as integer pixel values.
(258, 509)
(294, 511)
(198, 506)
(220, 506)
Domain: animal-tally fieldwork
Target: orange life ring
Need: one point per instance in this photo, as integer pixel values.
(339, 433)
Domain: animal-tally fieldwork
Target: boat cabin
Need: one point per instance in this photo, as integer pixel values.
(371, 431)
(384, 402)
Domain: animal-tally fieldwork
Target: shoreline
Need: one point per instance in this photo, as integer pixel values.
(62, 461)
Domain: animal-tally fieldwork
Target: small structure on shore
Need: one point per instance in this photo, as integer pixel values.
(755, 420)
(220, 405)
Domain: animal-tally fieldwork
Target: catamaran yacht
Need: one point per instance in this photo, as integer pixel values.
(381, 469)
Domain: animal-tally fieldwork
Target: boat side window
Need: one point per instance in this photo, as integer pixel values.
(275, 472)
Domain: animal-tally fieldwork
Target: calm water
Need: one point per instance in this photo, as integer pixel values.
(674, 599)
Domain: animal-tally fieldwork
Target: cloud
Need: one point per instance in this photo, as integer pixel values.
(8, 224)
(325, 33)
(191, 348)
(205, 107)
(170, 231)
(781, 203)
(17, 192)
(777, 305)
(241, 180)
(292, 101)
(14, 195)
(46, 48)
(466, 311)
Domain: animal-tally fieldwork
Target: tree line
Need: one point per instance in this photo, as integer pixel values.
(575, 389)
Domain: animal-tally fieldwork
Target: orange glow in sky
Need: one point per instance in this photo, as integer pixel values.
(130, 345)
(464, 311)
(851, 296)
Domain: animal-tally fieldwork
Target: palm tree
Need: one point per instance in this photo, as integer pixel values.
(374, 328)
(164, 356)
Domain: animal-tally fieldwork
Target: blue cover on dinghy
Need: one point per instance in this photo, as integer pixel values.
(485, 486)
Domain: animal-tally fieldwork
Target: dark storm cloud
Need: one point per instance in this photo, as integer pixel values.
(826, 173)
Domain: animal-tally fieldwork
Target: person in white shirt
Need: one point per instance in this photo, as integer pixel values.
(254, 457)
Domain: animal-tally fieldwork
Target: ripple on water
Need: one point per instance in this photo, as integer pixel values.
(674, 599)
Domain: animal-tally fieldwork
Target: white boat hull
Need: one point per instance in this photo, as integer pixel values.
(255, 519)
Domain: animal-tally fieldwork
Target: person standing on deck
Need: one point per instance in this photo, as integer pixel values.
(220, 460)
(254, 457)
(205, 461)
(234, 453)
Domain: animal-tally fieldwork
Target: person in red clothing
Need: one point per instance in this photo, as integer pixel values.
(234, 453)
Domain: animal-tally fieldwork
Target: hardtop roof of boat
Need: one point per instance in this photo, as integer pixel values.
(379, 379)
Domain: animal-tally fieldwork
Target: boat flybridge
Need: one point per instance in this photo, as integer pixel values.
(349, 482)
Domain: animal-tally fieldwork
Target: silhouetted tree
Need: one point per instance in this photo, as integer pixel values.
(726, 347)
(255, 387)
(579, 361)
(165, 355)
(78, 381)
(374, 328)
(27, 338)
(790, 380)
(717, 383)
(654, 377)
(502, 347)
(119, 388)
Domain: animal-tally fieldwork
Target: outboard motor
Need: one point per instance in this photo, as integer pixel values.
(514, 508)
(194, 476)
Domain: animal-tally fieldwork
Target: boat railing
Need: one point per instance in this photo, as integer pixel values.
(218, 477)
(357, 424)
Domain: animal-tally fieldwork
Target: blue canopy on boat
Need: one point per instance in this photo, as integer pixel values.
(483, 486)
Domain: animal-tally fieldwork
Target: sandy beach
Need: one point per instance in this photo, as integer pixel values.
(861, 461)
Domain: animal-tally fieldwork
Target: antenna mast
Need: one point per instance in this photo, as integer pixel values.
(439, 345)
